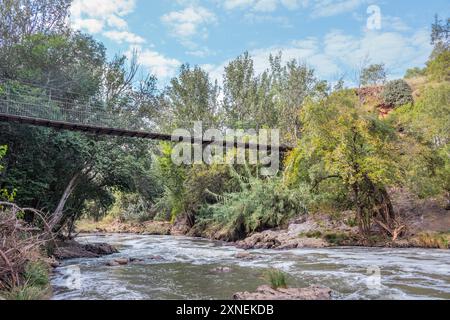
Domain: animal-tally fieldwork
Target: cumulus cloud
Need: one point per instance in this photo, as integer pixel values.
(189, 22)
(156, 63)
(338, 52)
(124, 36)
(319, 8)
(94, 16)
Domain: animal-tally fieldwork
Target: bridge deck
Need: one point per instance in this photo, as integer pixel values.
(99, 130)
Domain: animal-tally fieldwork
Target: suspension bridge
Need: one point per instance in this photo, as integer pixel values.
(52, 108)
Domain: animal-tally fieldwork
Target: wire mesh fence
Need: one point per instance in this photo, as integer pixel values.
(36, 102)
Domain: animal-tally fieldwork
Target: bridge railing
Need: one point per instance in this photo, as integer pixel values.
(40, 103)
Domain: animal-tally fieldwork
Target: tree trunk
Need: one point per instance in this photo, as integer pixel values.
(58, 213)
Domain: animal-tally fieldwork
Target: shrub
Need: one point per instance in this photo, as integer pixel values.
(261, 204)
(25, 293)
(433, 240)
(414, 73)
(276, 278)
(36, 274)
(397, 93)
(439, 68)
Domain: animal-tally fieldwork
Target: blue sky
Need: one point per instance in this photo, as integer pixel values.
(331, 36)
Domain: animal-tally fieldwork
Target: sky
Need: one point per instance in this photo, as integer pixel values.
(335, 37)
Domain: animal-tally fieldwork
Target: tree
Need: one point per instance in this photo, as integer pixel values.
(373, 75)
(415, 72)
(191, 97)
(240, 91)
(438, 66)
(60, 171)
(342, 143)
(440, 32)
(22, 18)
(292, 84)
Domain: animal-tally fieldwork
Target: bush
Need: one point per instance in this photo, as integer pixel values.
(36, 274)
(439, 68)
(415, 73)
(261, 204)
(397, 93)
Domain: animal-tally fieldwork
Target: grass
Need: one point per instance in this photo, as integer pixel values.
(336, 238)
(311, 234)
(276, 278)
(434, 240)
(36, 284)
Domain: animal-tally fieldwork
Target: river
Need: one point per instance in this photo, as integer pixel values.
(182, 268)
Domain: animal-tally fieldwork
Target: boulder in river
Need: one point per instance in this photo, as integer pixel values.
(122, 262)
(73, 250)
(268, 293)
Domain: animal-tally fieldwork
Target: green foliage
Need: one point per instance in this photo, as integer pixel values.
(425, 142)
(373, 75)
(259, 205)
(36, 274)
(336, 238)
(36, 281)
(26, 293)
(397, 93)
(438, 68)
(346, 147)
(276, 278)
(131, 207)
(415, 72)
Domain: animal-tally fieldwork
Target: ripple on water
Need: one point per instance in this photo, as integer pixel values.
(185, 271)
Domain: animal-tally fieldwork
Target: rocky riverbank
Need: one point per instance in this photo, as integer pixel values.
(427, 225)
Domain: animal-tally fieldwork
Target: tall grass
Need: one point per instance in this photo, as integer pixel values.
(276, 278)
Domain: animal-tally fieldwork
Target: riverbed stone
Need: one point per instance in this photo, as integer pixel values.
(221, 270)
(268, 293)
(122, 261)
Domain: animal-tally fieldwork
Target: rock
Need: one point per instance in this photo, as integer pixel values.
(72, 250)
(156, 258)
(112, 264)
(221, 270)
(122, 262)
(267, 293)
(245, 256)
(102, 249)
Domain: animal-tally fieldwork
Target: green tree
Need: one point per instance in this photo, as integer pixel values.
(373, 75)
(344, 144)
(191, 97)
(240, 92)
(292, 84)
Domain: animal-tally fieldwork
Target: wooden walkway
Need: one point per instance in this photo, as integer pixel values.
(98, 130)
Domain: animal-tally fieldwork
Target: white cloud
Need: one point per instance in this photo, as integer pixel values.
(158, 64)
(328, 8)
(319, 8)
(338, 53)
(90, 25)
(189, 22)
(94, 15)
(123, 36)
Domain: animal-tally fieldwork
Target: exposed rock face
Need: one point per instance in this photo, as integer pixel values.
(297, 235)
(267, 293)
(73, 250)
